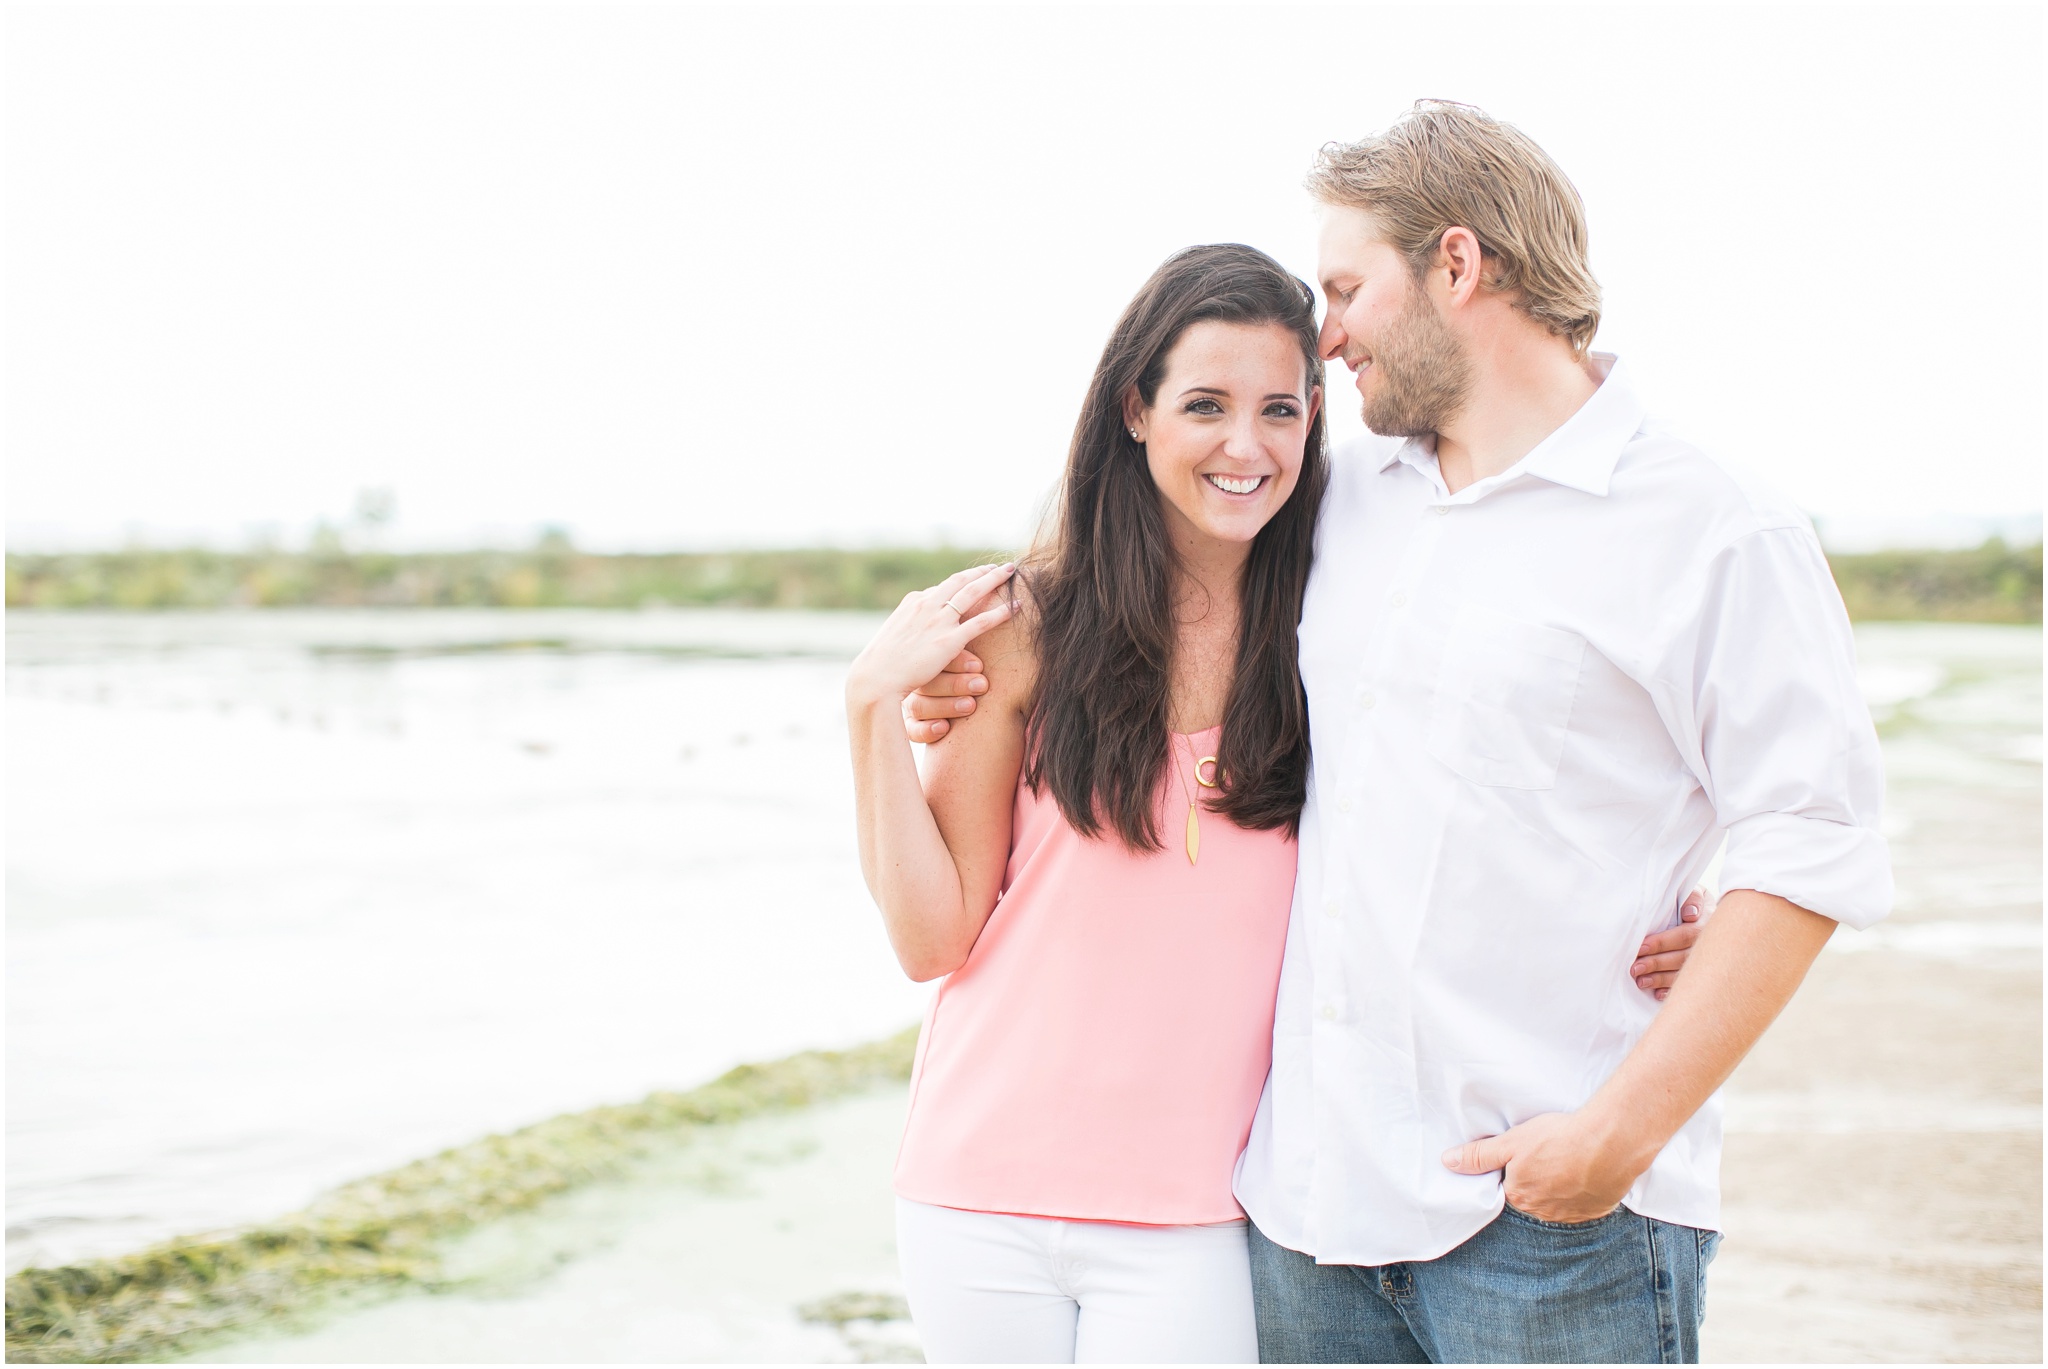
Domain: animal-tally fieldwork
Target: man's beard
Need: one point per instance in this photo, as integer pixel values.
(1424, 377)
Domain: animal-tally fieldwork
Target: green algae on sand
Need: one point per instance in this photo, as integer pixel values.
(386, 1230)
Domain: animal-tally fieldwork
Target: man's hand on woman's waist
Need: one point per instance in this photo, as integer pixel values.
(929, 711)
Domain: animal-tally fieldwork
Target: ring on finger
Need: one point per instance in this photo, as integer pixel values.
(955, 607)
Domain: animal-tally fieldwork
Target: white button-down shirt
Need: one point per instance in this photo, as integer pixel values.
(1537, 708)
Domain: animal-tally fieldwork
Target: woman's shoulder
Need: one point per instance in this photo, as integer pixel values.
(1009, 650)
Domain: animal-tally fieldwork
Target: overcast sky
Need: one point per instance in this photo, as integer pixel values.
(696, 277)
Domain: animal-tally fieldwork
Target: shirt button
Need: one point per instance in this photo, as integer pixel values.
(1343, 805)
(1398, 599)
(1329, 1013)
(1329, 907)
(1442, 509)
(1366, 700)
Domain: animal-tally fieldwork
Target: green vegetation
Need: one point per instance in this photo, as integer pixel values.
(552, 575)
(386, 1231)
(1992, 584)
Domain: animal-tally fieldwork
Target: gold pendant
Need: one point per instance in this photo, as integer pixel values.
(1194, 836)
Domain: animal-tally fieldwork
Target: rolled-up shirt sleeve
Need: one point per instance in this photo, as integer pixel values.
(1757, 683)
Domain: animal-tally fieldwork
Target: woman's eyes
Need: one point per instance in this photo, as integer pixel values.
(1209, 408)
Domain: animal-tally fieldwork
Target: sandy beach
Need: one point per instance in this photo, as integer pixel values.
(1883, 1163)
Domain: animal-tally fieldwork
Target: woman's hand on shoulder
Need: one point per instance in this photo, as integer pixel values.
(959, 689)
(927, 634)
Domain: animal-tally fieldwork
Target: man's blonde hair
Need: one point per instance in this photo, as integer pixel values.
(1444, 165)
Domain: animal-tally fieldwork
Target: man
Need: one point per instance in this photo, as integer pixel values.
(1553, 656)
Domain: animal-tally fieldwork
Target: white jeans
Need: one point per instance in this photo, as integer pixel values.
(986, 1288)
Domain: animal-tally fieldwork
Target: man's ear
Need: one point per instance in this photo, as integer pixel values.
(1463, 264)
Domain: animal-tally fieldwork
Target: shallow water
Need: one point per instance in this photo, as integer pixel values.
(295, 897)
(1963, 785)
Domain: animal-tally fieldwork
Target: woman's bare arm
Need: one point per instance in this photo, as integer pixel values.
(971, 782)
(933, 849)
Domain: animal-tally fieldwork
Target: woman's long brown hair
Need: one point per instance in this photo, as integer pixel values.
(1104, 586)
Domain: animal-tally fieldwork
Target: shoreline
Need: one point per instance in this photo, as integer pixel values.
(1991, 583)
(386, 1231)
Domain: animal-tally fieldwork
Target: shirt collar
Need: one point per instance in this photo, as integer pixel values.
(1581, 454)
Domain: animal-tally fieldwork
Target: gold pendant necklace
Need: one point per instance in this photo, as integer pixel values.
(1194, 826)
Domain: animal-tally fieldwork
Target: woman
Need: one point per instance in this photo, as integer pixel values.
(1101, 858)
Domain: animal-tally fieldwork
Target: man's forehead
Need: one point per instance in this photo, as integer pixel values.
(1348, 236)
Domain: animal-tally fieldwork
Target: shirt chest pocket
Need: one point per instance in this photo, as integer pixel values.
(1503, 700)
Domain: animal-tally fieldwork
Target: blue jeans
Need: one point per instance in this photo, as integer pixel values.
(1620, 1290)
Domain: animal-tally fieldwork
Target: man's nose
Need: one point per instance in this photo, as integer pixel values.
(1332, 338)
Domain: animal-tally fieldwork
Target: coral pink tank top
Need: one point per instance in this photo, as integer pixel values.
(1101, 1053)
